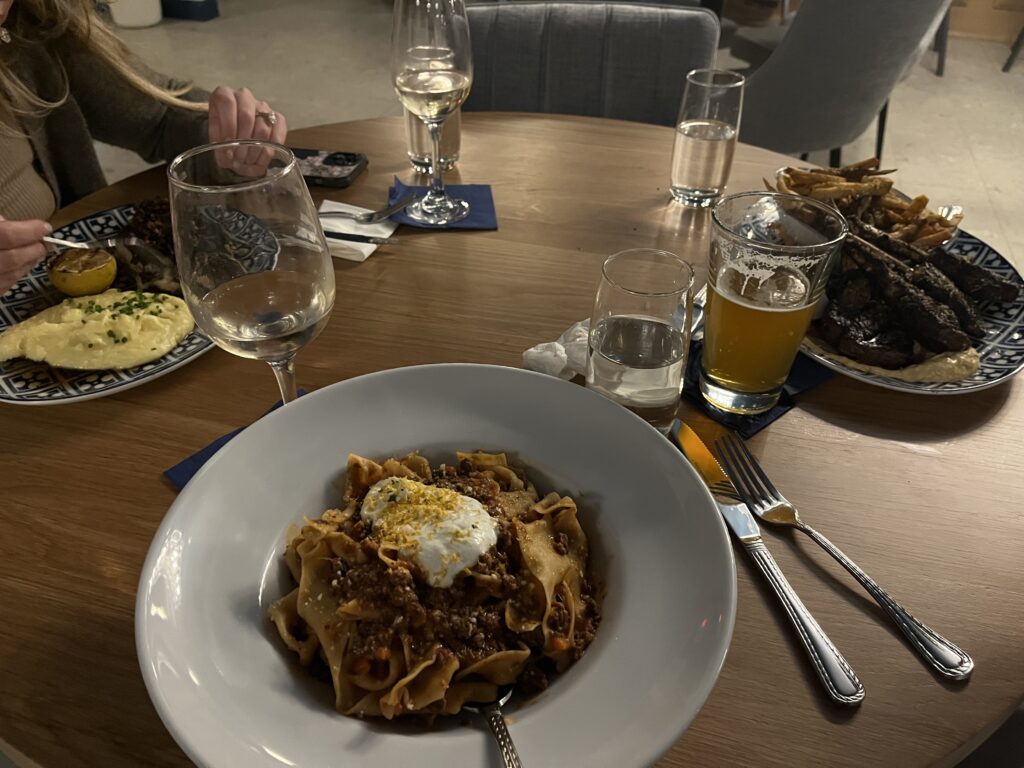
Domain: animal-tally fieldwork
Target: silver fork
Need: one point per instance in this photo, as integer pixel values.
(765, 501)
(107, 242)
(373, 217)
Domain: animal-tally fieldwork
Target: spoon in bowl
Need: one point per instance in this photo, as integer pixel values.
(496, 720)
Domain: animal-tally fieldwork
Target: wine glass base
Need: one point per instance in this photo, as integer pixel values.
(438, 210)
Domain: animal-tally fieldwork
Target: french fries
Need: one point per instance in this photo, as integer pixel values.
(863, 191)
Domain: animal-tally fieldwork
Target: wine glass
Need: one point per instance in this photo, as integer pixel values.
(254, 266)
(432, 67)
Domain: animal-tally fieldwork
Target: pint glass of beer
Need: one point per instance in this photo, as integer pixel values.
(770, 259)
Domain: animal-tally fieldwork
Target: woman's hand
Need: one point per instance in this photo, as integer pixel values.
(21, 248)
(239, 115)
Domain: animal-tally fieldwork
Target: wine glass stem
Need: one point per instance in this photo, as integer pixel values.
(437, 182)
(284, 372)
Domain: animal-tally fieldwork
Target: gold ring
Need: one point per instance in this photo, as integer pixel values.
(270, 117)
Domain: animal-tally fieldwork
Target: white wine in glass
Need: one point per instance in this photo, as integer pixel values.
(255, 268)
(432, 94)
(432, 67)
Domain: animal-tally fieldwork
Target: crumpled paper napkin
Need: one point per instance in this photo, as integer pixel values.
(567, 357)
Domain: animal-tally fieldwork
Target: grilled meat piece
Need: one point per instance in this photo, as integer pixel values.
(850, 289)
(905, 252)
(930, 280)
(152, 223)
(977, 282)
(930, 323)
(141, 268)
(869, 335)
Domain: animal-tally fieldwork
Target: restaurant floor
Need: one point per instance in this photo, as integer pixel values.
(957, 138)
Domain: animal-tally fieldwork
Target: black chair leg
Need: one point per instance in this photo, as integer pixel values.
(835, 157)
(1015, 51)
(941, 42)
(803, 156)
(880, 132)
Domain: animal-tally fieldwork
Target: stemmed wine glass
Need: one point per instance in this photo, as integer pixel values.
(254, 266)
(432, 67)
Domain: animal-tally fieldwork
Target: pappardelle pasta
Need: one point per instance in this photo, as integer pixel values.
(431, 587)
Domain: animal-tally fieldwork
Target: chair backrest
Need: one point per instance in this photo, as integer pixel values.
(832, 72)
(622, 60)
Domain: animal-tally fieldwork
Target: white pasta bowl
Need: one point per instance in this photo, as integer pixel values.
(231, 695)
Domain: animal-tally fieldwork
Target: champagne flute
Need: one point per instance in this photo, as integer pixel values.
(254, 266)
(432, 67)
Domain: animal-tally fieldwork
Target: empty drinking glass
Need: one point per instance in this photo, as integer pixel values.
(640, 332)
(709, 121)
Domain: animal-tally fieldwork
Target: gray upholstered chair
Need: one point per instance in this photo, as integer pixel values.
(621, 60)
(833, 72)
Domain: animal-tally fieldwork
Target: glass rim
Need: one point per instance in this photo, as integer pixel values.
(188, 154)
(734, 79)
(828, 210)
(678, 259)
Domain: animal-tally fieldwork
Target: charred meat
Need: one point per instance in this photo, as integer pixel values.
(152, 222)
(977, 282)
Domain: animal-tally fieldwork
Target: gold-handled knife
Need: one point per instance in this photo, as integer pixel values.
(836, 675)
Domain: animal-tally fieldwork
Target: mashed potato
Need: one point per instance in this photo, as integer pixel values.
(114, 329)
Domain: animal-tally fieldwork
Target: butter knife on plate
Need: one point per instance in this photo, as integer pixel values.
(836, 675)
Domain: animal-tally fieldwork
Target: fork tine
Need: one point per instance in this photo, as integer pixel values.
(773, 492)
(756, 491)
(733, 469)
(740, 456)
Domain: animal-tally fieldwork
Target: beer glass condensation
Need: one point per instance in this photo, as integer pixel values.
(771, 256)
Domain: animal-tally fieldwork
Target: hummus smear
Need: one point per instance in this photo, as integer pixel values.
(947, 366)
(114, 329)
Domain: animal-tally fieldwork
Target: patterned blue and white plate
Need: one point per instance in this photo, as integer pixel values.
(24, 382)
(1001, 350)
(27, 383)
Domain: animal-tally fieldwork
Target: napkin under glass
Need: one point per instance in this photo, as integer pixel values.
(481, 205)
(567, 357)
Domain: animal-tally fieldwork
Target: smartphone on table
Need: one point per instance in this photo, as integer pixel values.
(326, 168)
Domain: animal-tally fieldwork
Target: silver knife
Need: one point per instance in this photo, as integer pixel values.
(836, 675)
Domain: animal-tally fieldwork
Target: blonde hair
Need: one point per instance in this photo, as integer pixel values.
(39, 21)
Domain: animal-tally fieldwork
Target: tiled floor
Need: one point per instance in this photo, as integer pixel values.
(959, 138)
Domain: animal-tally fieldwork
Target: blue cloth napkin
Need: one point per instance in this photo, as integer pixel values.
(481, 205)
(804, 375)
(182, 472)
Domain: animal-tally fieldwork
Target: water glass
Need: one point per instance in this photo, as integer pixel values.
(706, 131)
(640, 332)
(420, 143)
(771, 256)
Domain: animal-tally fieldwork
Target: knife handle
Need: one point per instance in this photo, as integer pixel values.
(942, 654)
(834, 671)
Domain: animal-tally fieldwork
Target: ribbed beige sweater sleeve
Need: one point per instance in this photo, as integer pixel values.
(23, 192)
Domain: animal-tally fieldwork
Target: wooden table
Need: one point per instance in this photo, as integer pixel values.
(922, 491)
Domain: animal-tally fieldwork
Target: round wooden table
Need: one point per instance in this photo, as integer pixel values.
(924, 492)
